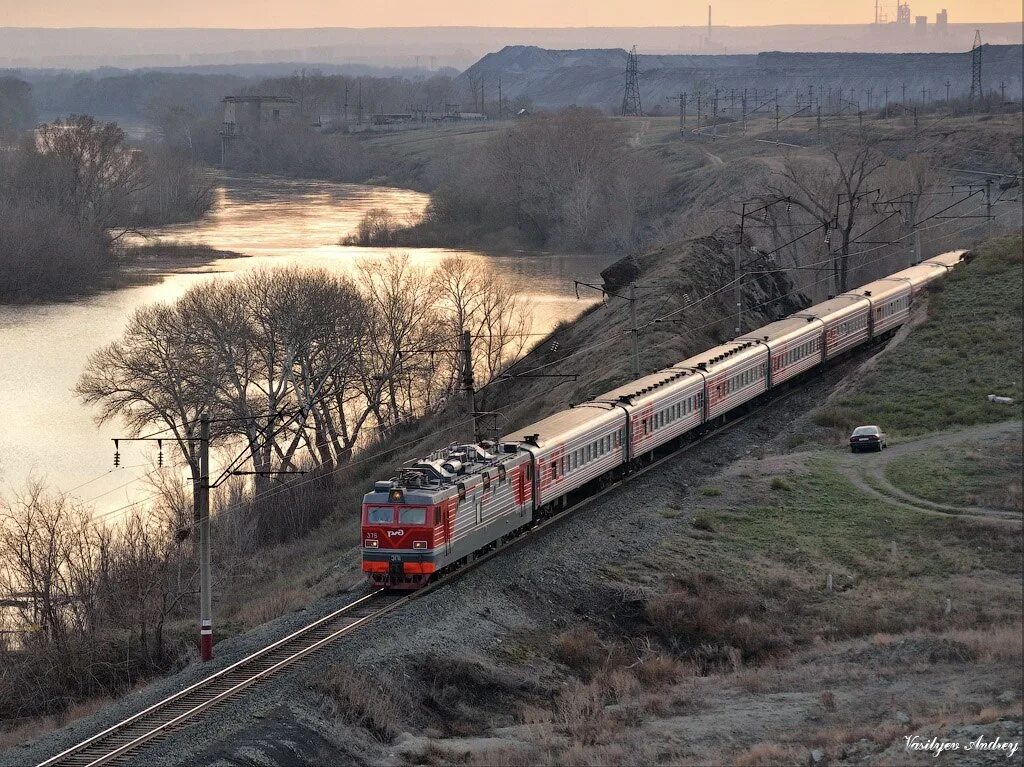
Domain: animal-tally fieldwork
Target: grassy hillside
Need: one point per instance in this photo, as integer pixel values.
(968, 347)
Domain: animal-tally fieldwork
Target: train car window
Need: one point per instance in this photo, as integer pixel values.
(462, 491)
(380, 515)
(487, 481)
(502, 474)
(412, 516)
(437, 515)
(554, 469)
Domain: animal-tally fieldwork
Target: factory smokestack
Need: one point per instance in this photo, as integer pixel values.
(709, 21)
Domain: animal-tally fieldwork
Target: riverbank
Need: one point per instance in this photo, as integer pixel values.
(67, 198)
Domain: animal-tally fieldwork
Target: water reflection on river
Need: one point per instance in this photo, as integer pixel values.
(46, 432)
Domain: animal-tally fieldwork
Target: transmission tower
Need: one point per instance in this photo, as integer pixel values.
(631, 97)
(976, 89)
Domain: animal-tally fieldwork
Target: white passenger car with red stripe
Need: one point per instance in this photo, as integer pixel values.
(573, 447)
(733, 373)
(661, 407)
(794, 346)
(846, 320)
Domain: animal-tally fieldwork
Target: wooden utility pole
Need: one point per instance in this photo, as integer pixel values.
(205, 601)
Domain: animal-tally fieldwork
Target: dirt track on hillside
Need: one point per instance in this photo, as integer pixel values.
(867, 471)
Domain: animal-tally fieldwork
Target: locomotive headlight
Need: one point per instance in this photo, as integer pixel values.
(396, 496)
(419, 544)
(371, 544)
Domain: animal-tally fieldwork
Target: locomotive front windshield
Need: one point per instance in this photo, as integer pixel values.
(412, 515)
(380, 515)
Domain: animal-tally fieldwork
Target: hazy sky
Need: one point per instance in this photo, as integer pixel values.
(532, 13)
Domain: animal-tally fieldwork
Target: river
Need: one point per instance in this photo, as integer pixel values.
(47, 433)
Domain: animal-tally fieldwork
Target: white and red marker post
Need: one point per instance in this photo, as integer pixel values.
(205, 602)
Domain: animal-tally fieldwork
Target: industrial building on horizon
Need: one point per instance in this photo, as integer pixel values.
(903, 18)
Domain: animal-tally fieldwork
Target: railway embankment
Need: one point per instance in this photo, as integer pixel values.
(750, 603)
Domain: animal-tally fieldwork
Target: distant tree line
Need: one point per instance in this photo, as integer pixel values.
(70, 190)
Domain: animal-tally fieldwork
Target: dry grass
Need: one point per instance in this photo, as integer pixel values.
(581, 714)
(828, 700)
(996, 643)
(12, 734)
(661, 671)
(362, 701)
(715, 624)
(767, 755)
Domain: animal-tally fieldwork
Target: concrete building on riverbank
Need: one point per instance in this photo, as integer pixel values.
(247, 115)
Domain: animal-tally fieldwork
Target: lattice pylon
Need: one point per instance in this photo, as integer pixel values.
(631, 97)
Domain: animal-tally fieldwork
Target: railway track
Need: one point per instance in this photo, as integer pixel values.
(159, 720)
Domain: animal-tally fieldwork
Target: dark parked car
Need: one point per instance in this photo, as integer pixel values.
(867, 438)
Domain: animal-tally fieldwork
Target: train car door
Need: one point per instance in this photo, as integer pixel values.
(450, 510)
(521, 495)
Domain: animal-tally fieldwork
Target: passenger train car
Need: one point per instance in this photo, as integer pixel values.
(441, 511)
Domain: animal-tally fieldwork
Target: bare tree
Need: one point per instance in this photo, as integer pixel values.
(156, 375)
(491, 308)
(834, 194)
(96, 172)
(404, 327)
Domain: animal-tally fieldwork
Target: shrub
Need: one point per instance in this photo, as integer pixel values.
(702, 521)
(778, 483)
(46, 253)
(659, 671)
(376, 229)
(581, 649)
(828, 701)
